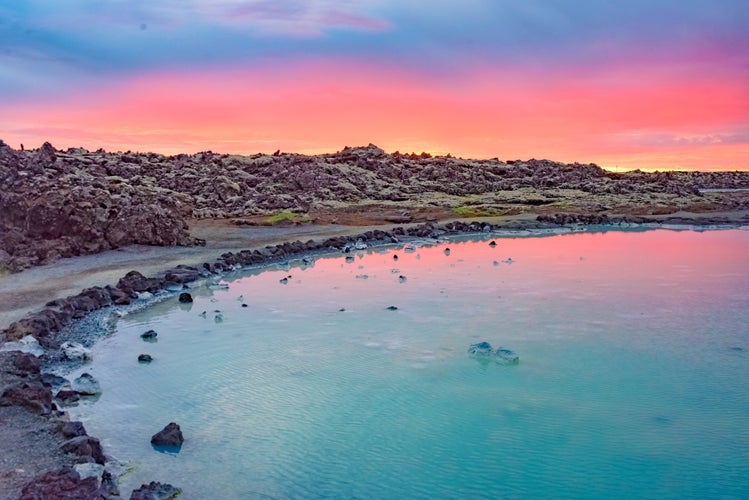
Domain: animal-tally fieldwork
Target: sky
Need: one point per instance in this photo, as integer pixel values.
(650, 84)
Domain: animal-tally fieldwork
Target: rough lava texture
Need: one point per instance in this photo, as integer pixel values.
(54, 204)
(64, 203)
(63, 484)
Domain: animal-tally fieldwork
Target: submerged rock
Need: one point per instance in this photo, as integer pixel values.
(185, 298)
(170, 437)
(392, 308)
(86, 385)
(506, 357)
(155, 491)
(480, 349)
(145, 358)
(502, 356)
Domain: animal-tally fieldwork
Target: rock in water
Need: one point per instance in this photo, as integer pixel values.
(109, 487)
(392, 308)
(155, 491)
(169, 437)
(502, 356)
(506, 357)
(185, 298)
(480, 349)
(149, 335)
(145, 358)
(86, 385)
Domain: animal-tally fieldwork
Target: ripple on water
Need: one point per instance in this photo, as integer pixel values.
(292, 398)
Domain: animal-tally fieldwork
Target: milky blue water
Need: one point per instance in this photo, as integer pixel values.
(632, 381)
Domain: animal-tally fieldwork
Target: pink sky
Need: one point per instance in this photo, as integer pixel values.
(607, 85)
(314, 108)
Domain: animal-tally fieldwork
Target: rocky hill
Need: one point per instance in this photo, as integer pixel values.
(64, 203)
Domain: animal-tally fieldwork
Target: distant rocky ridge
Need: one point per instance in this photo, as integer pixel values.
(63, 203)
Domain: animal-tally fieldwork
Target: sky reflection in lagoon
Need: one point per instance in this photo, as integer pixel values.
(634, 356)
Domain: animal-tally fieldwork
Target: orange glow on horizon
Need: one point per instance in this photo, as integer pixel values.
(320, 108)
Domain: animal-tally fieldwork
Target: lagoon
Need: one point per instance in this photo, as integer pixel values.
(634, 357)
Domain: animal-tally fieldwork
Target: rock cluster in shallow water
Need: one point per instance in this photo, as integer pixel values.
(500, 355)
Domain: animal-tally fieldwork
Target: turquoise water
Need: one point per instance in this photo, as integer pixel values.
(632, 382)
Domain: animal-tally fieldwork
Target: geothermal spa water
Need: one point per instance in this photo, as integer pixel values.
(633, 378)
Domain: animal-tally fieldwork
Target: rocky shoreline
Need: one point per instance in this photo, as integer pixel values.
(57, 204)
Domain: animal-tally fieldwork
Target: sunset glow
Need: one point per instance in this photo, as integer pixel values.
(316, 78)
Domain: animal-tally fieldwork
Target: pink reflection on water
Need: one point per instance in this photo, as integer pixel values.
(663, 267)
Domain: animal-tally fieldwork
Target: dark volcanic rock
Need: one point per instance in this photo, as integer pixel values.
(67, 397)
(109, 487)
(25, 364)
(65, 484)
(149, 335)
(32, 395)
(155, 491)
(72, 429)
(85, 448)
(170, 436)
(136, 282)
